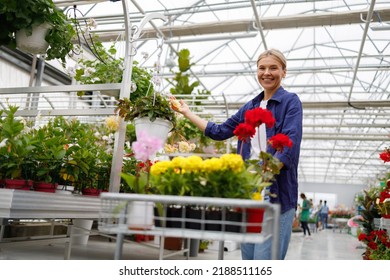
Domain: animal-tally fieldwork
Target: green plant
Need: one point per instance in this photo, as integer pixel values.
(16, 15)
(88, 152)
(181, 81)
(137, 180)
(106, 69)
(203, 245)
(48, 155)
(368, 210)
(152, 106)
(16, 147)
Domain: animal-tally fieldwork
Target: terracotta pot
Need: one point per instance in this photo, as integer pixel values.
(45, 187)
(173, 243)
(18, 184)
(91, 192)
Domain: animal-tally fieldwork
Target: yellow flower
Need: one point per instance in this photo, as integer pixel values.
(178, 162)
(112, 123)
(257, 196)
(192, 164)
(212, 164)
(233, 162)
(160, 167)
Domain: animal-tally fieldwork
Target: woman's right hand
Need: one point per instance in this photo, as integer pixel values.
(179, 106)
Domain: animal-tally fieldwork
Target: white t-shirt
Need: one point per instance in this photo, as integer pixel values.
(261, 145)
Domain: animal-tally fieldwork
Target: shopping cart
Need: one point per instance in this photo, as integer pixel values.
(203, 218)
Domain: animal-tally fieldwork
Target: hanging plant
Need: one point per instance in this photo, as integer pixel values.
(26, 14)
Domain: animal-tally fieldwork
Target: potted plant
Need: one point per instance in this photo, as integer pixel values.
(15, 151)
(22, 17)
(152, 113)
(104, 68)
(47, 156)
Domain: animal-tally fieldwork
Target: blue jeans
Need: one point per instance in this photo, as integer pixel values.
(262, 251)
(324, 220)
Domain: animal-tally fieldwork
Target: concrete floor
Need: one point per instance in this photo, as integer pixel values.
(323, 245)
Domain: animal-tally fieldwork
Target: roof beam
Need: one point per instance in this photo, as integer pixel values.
(267, 23)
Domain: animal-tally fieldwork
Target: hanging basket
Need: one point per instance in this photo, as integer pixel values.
(36, 43)
(159, 128)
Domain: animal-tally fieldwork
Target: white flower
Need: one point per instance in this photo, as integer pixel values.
(133, 87)
(128, 145)
(3, 143)
(92, 23)
(112, 123)
(71, 71)
(88, 71)
(185, 147)
(86, 31)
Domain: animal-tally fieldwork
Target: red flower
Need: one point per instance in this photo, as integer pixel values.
(244, 132)
(385, 155)
(279, 141)
(384, 195)
(372, 245)
(362, 236)
(258, 116)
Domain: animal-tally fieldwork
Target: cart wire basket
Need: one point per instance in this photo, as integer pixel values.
(204, 218)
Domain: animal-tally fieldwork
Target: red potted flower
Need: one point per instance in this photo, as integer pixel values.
(268, 166)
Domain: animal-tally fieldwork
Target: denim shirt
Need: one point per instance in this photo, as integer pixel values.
(287, 111)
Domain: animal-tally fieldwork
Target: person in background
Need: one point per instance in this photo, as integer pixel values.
(286, 108)
(324, 212)
(318, 210)
(305, 215)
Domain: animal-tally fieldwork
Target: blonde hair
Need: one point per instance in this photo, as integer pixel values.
(278, 55)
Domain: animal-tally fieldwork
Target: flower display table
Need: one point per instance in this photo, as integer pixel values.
(19, 204)
(340, 223)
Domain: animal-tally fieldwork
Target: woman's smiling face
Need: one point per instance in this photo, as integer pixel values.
(270, 73)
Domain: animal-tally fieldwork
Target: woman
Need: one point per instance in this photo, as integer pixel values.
(287, 110)
(305, 215)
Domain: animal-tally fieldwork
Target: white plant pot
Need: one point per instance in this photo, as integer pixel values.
(62, 189)
(80, 231)
(159, 128)
(36, 43)
(110, 92)
(140, 215)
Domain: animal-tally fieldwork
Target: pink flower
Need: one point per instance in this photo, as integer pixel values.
(146, 147)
